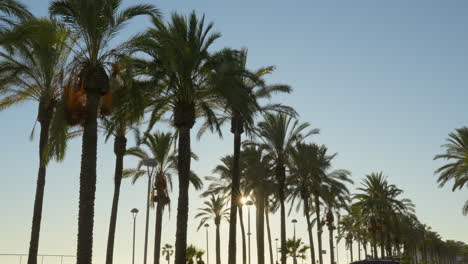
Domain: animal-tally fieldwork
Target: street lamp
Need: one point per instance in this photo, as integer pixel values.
(294, 221)
(149, 163)
(277, 250)
(134, 212)
(207, 253)
(249, 203)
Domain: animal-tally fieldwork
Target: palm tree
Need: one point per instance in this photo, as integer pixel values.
(192, 252)
(13, 8)
(258, 180)
(456, 171)
(294, 248)
(179, 58)
(96, 22)
(32, 70)
(380, 203)
(128, 102)
(300, 180)
(277, 135)
(160, 149)
(168, 251)
(223, 185)
(336, 196)
(321, 179)
(250, 86)
(214, 209)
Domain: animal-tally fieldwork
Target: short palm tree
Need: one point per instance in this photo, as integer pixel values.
(277, 134)
(34, 55)
(160, 146)
(96, 22)
(128, 104)
(295, 248)
(456, 151)
(193, 252)
(168, 251)
(214, 210)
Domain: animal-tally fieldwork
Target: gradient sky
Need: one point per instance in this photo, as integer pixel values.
(385, 81)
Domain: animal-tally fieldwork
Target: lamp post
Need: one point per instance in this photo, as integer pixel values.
(149, 163)
(277, 250)
(294, 221)
(207, 253)
(249, 203)
(134, 212)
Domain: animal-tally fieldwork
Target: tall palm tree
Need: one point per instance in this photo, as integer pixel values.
(456, 150)
(96, 22)
(233, 74)
(301, 179)
(13, 8)
(160, 147)
(320, 180)
(258, 181)
(336, 196)
(223, 185)
(179, 57)
(128, 104)
(214, 210)
(277, 134)
(34, 55)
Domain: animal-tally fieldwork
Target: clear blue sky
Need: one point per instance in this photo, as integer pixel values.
(385, 81)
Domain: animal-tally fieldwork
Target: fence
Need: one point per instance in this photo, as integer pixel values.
(41, 259)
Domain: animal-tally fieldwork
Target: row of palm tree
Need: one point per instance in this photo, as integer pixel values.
(83, 86)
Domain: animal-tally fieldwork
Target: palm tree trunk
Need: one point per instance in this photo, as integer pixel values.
(365, 249)
(40, 186)
(382, 243)
(87, 181)
(374, 243)
(236, 128)
(309, 229)
(148, 199)
(319, 228)
(244, 246)
(158, 231)
(332, 251)
(260, 228)
(270, 247)
(218, 245)
(359, 249)
(282, 185)
(351, 249)
(183, 166)
(119, 150)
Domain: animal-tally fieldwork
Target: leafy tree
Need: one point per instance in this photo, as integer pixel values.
(96, 22)
(295, 248)
(214, 210)
(34, 55)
